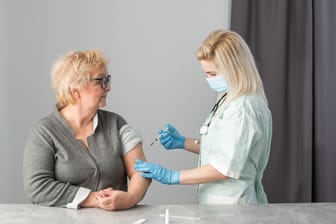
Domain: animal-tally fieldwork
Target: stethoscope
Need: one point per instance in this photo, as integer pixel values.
(205, 128)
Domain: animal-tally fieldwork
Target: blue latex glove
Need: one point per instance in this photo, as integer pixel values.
(171, 138)
(157, 172)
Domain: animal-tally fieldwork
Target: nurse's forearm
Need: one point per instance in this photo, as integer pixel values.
(201, 175)
(190, 146)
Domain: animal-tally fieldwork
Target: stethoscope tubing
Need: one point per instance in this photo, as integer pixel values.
(204, 129)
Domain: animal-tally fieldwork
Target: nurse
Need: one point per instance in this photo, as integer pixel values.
(234, 142)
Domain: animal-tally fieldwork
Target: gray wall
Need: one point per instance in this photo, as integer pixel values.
(155, 76)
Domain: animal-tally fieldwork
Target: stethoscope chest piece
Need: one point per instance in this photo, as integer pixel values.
(204, 130)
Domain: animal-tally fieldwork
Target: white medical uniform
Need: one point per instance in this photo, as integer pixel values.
(237, 145)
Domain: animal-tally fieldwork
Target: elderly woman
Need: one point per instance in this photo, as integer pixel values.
(80, 155)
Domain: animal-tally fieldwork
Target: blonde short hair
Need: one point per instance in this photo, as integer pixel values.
(233, 59)
(73, 70)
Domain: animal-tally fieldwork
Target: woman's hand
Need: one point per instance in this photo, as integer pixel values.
(110, 199)
(91, 200)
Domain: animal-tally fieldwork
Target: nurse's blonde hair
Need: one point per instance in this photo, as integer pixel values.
(72, 71)
(233, 59)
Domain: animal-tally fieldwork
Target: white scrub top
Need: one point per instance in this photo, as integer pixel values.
(237, 145)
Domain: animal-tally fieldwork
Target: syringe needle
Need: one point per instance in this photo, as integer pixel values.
(153, 141)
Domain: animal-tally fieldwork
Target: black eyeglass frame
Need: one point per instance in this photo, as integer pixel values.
(103, 81)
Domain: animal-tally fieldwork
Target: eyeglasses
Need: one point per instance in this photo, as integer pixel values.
(103, 81)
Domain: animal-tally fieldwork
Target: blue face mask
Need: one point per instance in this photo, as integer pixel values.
(218, 83)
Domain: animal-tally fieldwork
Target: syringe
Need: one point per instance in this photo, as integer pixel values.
(157, 137)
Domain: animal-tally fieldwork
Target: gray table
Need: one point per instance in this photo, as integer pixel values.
(271, 213)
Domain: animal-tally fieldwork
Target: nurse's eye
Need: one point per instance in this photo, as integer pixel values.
(210, 74)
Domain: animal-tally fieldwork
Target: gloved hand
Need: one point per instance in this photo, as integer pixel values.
(171, 138)
(157, 172)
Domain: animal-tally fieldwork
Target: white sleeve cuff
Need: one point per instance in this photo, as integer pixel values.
(223, 169)
(80, 196)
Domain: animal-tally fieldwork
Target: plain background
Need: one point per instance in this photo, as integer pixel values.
(156, 78)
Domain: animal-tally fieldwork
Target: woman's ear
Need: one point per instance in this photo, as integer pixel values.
(75, 94)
